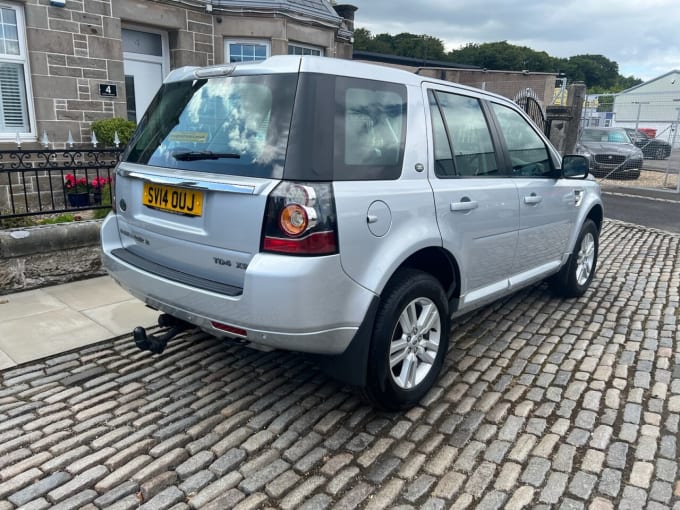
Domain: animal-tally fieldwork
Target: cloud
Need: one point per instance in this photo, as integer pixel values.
(642, 37)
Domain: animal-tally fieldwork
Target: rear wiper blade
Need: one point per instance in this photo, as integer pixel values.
(198, 155)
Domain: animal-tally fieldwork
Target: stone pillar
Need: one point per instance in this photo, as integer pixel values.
(577, 95)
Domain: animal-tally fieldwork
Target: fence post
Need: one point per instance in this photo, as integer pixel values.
(576, 95)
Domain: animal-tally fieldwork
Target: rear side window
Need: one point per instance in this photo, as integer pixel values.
(468, 136)
(226, 125)
(347, 129)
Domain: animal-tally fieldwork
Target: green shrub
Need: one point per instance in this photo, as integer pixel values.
(105, 130)
(21, 222)
(98, 214)
(62, 218)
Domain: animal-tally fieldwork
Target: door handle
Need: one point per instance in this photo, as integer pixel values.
(464, 205)
(533, 199)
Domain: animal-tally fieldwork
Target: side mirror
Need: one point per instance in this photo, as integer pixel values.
(574, 167)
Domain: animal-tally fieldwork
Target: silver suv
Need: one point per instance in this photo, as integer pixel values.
(343, 209)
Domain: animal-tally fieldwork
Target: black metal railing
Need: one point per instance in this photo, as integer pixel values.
(38, 182)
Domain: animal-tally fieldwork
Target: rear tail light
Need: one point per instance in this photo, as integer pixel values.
(300, 220)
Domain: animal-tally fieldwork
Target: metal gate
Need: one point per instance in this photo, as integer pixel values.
(533, 109)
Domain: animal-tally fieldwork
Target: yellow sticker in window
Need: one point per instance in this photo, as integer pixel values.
(188, 136)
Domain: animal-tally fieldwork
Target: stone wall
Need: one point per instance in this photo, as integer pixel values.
(75, 48)
(49, 255)
(71, 50)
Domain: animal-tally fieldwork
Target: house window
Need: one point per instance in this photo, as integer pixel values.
(301, 49)
(246, 51)
(14, 103)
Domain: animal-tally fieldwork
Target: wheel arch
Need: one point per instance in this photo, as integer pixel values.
(597, 215)
(441, 264)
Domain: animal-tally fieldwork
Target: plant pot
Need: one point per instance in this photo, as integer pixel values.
(97, 197)
(79, 199)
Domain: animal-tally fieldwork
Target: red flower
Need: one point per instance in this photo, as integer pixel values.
(76, 184)
(99, 182)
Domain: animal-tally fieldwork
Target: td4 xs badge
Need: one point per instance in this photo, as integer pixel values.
(225, 262)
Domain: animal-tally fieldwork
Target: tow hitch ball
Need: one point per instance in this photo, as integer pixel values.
(156, 344)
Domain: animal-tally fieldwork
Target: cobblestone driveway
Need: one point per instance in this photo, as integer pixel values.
(571, 404)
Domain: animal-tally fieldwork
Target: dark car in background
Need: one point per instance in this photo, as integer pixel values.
(610, 153)
(652, 148)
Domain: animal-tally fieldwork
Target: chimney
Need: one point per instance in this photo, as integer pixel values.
(346, 11)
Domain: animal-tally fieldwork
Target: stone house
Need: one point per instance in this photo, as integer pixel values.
(66, 63)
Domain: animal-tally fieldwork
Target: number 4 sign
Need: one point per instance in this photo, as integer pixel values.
(108, 90)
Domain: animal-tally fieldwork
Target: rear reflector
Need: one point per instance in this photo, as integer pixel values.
(229, 329)
(319, 243)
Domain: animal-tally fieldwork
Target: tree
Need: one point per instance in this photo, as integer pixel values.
(605, 103)
(503, 56)
(598, 72)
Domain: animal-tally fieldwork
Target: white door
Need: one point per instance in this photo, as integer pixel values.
(145, 63)
(142, 81)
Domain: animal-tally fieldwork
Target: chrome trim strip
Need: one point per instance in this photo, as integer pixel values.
(178, 181)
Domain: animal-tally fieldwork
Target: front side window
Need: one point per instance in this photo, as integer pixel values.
(227, 125)
(14, 114)
(528, 153)
(246, 51)
(462, 119)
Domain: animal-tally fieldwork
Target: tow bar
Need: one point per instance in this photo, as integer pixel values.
(156, 344)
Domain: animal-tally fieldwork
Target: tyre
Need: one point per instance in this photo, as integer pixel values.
(659, 153)
(575, 276)
(410, 340)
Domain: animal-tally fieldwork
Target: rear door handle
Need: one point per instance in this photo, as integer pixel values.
(464, 205)
(533, 199)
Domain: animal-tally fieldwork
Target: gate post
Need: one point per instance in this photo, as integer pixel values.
(577, 96)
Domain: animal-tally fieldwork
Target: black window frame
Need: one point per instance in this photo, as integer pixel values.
(492, 128)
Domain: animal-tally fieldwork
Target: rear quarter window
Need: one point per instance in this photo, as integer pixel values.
(347, 129)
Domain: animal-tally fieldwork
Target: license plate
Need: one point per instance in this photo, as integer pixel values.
(172, 199)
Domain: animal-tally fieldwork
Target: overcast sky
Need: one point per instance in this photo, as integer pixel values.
(643, 36)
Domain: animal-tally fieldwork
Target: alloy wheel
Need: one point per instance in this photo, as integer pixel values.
(415, 343)
(586, 257)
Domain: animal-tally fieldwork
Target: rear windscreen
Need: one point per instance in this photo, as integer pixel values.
(227, 125)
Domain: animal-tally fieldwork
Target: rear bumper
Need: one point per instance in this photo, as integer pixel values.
(303, 304)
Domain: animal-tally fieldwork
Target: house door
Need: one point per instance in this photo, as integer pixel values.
(142, 81)
(145, 65)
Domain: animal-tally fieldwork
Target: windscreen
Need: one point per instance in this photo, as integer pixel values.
(226, 125)
(601, 135)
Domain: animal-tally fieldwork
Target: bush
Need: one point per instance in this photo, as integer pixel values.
(105, 130)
